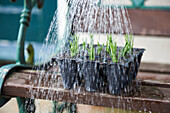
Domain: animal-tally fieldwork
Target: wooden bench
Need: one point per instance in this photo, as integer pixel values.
(146, 95)
(153, 93)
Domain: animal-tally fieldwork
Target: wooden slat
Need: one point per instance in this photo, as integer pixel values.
(150, 22)
(154, 76)
(144, 67)
(155, 68)
(147, 71)
(144, 22)
(149, 98)
(155, 83)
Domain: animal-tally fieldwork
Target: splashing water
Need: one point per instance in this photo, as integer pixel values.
(80, 17)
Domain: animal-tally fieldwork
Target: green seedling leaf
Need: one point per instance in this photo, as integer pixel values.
(129, 42)
(99, 48)
(74, 46)
(84, 45)
(91, 50)
(111, 48)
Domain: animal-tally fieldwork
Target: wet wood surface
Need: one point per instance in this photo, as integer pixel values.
(155, 68)
(150, 22)
(144, 22)
(144, 95)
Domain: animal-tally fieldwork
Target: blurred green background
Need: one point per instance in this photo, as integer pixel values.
(40, 20)
(9, 26)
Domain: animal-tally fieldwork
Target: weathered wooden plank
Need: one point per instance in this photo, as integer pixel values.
(154, 76)
(156, 73)
(155, 99)
(144, 22)
(155, 68)
(155, 83)
(150, 22)
(148, 71)
(146, 78)
(144, 67)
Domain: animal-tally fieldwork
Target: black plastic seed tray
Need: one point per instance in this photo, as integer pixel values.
(94, 75)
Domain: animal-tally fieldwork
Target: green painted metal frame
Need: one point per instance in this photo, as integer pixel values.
(5, 70)
(139, 4)
(24, 23)
(4, 74)
(21, 63)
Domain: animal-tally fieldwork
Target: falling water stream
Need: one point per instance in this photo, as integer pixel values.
(80, 17)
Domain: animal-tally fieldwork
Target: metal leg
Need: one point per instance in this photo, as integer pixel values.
(72, 108)
(54, 106)
(26, 105)
(59, 108)
(21, 102)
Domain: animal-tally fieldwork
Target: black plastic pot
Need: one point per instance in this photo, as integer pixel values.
(102, 82)
(137, 62)
(124, 74)
(119, 75)
(114, 78)
(101, 74)
(90, 70)
(79, 72)
(68, 72)
(134, 66)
